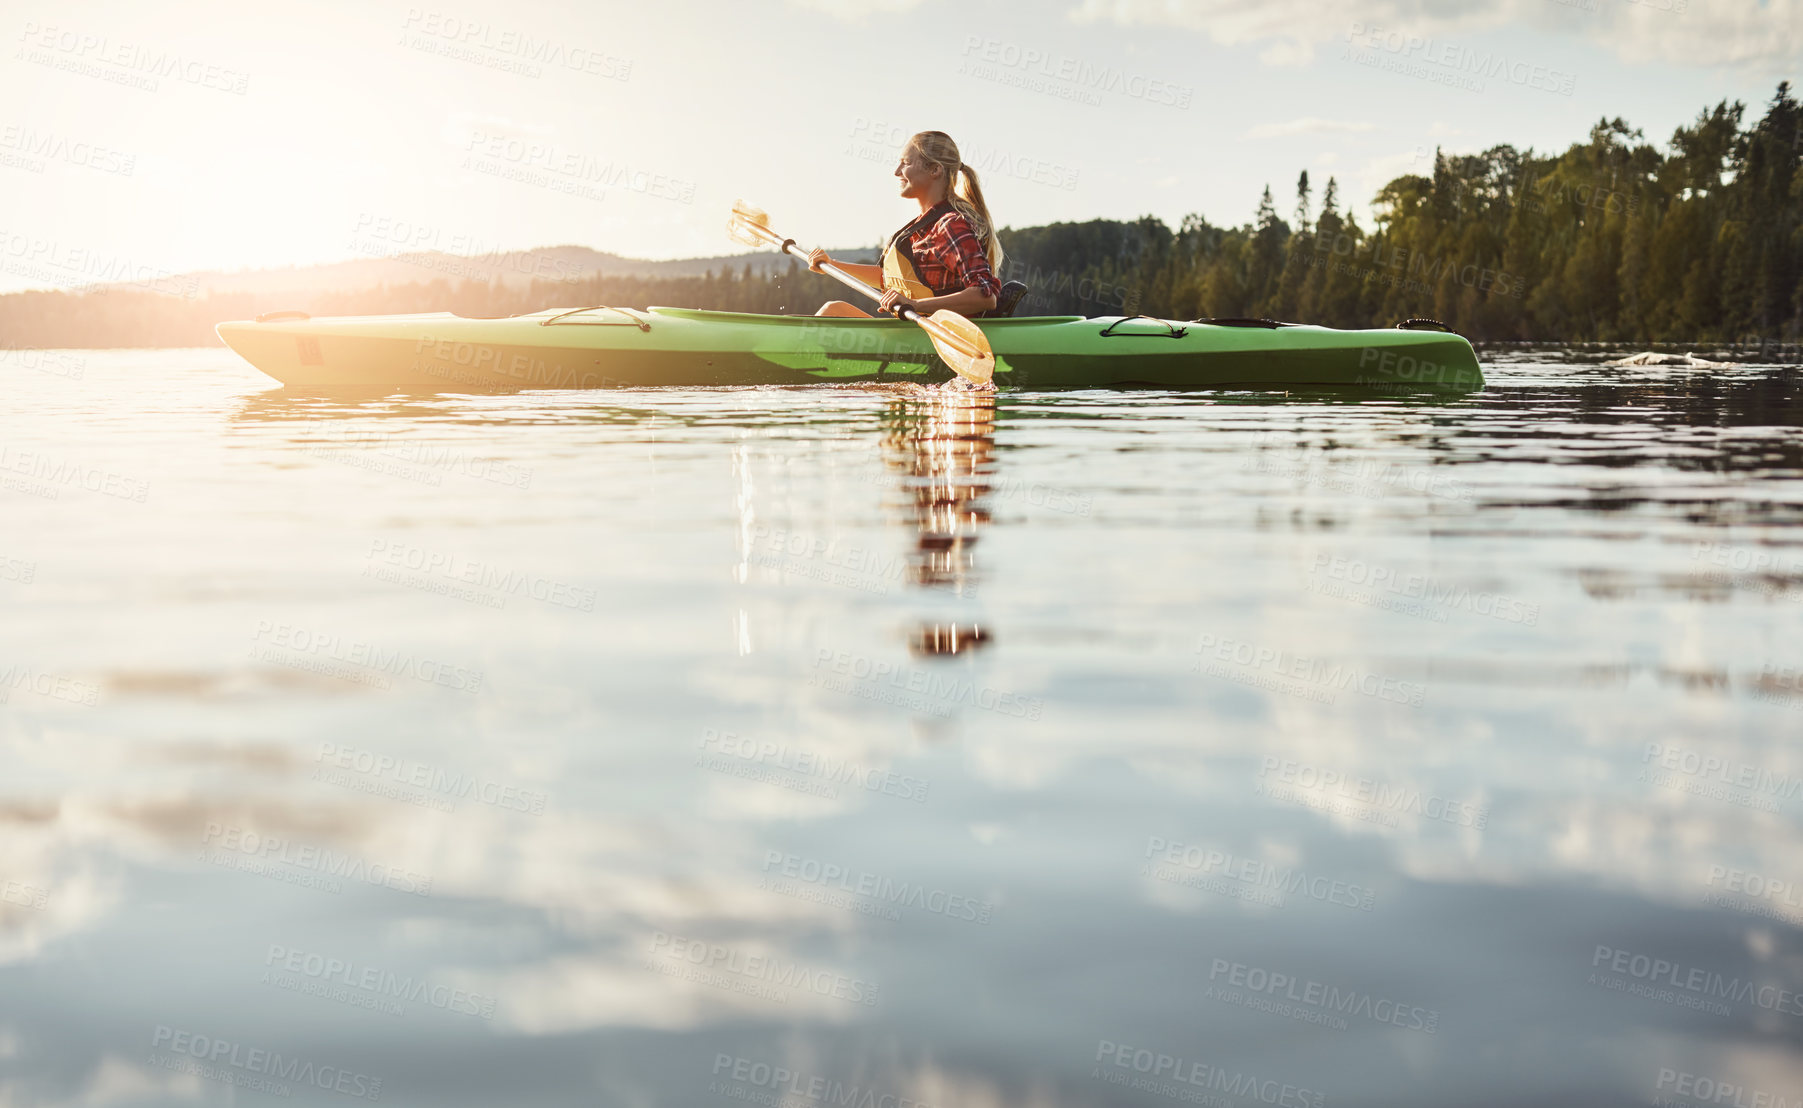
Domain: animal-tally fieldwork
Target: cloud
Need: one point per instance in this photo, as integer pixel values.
(1289, 29)
(1310, 126)
(856, 11)
(1766, 33)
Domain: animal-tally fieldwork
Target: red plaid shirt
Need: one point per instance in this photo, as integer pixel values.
(946, 254)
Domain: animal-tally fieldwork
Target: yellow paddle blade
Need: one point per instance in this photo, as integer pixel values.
(740, 233)
(750, 225)
(962, 345)
(744, 211)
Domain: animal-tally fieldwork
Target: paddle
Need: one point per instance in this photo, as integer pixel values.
(961, 344)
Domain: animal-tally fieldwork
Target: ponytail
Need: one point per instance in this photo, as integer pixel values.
(962, 190)
(968, 199)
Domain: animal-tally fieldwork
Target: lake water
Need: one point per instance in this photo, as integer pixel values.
(890, 747)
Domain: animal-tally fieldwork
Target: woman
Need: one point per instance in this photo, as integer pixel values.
(946, 258)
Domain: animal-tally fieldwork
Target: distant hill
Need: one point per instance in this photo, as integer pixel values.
(519, 268)
(182, 310)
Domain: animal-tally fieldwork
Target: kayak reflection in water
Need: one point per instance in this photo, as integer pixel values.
(941, 448)
(948, 257)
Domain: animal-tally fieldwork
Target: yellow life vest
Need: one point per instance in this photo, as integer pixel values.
(898, 274)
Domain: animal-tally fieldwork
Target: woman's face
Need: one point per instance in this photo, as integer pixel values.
(916, 176)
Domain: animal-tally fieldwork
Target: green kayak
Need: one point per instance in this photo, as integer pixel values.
(587, 348)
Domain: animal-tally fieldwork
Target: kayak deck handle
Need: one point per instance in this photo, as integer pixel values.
(271, 317)
(1172, 331)
(563, 319)
(1414, 324)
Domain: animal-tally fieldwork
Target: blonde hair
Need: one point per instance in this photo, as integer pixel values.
(966, 195)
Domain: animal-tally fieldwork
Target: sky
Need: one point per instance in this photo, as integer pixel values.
(142, 141)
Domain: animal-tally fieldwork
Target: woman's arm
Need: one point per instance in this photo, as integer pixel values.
(871, 275)
(971, 301)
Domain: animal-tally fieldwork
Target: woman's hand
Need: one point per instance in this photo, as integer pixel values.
(817, 258)
(893, 302)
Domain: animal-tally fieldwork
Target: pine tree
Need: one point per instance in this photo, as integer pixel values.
(1264, 264)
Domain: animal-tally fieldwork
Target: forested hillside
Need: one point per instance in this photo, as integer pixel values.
(1614, 239)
